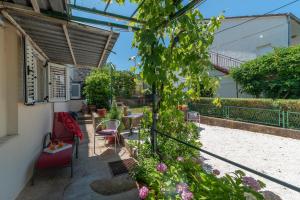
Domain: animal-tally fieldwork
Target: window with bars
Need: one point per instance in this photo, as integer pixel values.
(42, 84)
(58, 82)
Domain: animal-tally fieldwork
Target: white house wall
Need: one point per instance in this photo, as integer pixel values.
(21, 127)
(2, 83)
(228, 87)
(17, 155)
(295, 32)
(243, 42)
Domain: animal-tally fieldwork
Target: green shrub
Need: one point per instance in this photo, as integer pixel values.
(275, 75)
(97, 88)
(114, 112)
(291, 105)
(183, 166)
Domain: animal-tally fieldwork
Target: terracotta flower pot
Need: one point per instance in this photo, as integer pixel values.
(101, 112)
(179, 107)
(184, 107)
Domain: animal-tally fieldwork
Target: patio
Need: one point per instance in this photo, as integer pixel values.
(57, 184)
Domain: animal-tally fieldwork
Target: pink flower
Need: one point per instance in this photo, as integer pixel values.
(180, 187)
(216, 172)
(161, 167)
(251, 182)
(143, 192)
(187, 195)
(180, 158)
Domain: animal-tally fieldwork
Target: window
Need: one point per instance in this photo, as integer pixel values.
(76, 91)
(58, 82)
(41, 81)
(42, 84)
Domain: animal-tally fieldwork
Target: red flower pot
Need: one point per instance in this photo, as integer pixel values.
(101, 112)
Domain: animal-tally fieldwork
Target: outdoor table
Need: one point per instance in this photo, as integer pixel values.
(131, 118)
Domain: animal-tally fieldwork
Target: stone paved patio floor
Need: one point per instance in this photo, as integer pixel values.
(57, 184)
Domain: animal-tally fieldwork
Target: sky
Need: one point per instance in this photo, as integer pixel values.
(123, 48)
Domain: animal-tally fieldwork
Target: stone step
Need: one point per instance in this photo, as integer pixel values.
(85, 121)
(84, 117)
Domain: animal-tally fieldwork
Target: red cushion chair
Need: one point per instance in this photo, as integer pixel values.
(65, 129)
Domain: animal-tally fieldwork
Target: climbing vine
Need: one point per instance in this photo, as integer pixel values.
(173, 51)
(172, 44)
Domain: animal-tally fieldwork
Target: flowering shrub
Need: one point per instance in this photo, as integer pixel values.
(143, 192)
(186, 179)
(161, 167)
(179, 172)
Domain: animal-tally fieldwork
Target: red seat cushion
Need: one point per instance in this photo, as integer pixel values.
(59, 159)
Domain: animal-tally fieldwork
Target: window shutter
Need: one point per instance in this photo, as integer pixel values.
(58, 83)
(30, 74)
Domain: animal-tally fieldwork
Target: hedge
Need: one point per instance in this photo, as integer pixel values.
(282, 104)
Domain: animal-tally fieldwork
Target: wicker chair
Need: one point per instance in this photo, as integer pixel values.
(109, 130)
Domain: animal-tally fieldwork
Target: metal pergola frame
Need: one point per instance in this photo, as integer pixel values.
(130, 18)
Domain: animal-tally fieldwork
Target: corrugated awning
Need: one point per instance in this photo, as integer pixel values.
(66, 42)
(53, 5)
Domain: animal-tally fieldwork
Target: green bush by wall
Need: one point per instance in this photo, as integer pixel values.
(282, 104)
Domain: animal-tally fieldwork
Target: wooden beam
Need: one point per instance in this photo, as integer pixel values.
(104, 50)
(35, 6)
(69, 42)
(11, 20)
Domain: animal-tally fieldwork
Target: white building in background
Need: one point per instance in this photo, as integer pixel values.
(246, 37)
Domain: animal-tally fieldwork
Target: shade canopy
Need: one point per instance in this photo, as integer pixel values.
(52, 5)
(62, 41)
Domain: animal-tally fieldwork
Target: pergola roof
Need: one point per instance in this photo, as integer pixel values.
(53, 5)
(63, 41)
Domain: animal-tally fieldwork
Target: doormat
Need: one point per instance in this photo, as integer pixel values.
(113, 186)
(121, 166)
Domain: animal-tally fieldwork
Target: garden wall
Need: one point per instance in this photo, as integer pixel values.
(278, 113)
(135, 101)
(283, 132)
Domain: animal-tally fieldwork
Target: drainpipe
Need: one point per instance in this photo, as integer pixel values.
(237, 89)
(289, 29)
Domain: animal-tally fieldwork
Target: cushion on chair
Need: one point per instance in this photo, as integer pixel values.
(107, 132)
(65, 127)
(59, 159)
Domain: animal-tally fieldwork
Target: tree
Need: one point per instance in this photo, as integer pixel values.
(124, 83)
(275, 75)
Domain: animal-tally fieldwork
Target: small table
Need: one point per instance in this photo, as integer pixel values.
(132, 117)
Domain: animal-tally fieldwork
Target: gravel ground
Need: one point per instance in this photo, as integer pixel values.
(275, 156)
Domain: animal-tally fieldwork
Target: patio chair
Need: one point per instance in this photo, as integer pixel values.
(60, 159)
(107, 129)
(193, 116)
(65, 129)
